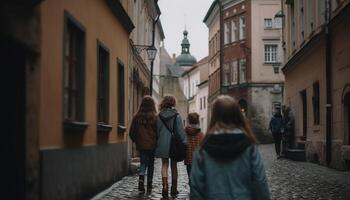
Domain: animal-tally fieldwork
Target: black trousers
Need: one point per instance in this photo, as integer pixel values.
(188, 168)
(277, 137)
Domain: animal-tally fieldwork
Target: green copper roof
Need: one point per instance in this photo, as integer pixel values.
(185, 59)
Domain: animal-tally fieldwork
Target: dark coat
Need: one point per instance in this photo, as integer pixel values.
(194, 137)
(143, 133)
(228, 167)
(276, 124)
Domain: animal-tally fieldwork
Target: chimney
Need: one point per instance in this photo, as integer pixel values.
(174, 58)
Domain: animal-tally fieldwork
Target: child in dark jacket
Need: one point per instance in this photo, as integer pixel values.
(194, 137)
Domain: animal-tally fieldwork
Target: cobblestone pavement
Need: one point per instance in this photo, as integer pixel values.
(287, 180)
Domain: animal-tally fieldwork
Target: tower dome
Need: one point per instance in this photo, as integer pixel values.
(185, 58)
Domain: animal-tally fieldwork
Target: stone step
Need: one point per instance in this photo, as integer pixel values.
(296, 154)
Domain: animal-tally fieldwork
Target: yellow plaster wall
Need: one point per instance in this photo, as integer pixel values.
(100, 23)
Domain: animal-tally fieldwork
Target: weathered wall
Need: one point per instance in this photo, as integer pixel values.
(90, 170)
(100, 23)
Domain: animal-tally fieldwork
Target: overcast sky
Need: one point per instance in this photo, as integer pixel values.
(174, 15)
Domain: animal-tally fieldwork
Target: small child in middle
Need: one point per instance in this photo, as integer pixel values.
(194, 137)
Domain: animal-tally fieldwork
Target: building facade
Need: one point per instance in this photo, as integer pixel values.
(250, 48)
(317, 78)
(73, 100)
(212, 21)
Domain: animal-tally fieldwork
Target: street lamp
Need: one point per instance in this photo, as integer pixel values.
(276, 67)
(151, 52)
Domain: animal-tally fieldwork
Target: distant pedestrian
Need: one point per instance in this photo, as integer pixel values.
(194, 137)
(228, 164)
(277, 129)
(288, 124)
(169, 125)
(143, 133)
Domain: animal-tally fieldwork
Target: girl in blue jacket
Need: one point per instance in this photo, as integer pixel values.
(228, 164)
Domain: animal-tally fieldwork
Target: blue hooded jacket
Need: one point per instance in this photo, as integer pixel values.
(228, 166)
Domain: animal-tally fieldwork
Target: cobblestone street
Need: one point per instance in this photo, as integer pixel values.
(287, 180)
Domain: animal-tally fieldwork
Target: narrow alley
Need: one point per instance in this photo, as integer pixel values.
(287, 180)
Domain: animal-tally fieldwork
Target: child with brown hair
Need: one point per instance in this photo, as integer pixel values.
(228, 164)
(143, 132)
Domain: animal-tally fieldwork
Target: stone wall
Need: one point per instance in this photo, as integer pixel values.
(80, 173)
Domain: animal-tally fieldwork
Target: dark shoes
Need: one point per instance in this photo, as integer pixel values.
(165, 189)
(174, 191)
(142, 183)
(149, 187)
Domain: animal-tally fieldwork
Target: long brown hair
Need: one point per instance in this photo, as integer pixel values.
(147, 113)
(226, 115)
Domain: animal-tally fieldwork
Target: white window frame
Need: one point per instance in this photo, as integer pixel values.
(226, 72)
(234, 72)
(242, 27)
(268, 23)
(242, 70)
(271, 53)
(227, 33)
(234, 33)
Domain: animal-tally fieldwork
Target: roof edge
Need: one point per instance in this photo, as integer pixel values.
(215, 2)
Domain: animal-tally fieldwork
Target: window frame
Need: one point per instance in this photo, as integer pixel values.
(245, 70)
(316, 103)
(234, 72)
(104, 83)
(268, 27)
(269, 53)
(75, 124)
(226, 33)
(226, 75)
(242, 28)
(234, 30)
(121, 96)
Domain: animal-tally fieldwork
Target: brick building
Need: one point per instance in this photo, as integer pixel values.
(242, 62)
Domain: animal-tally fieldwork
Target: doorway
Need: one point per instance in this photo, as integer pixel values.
(13, 80)
(347, 116)
(304, 116)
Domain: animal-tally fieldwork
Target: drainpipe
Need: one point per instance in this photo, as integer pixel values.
(328, 41)
(221, 10)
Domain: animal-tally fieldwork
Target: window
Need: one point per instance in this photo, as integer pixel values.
(322, 10)
(234, 33)
(316, 103)
(73, 78)
(292, 28)
(302, 19)
(226, 75)
(204, 101)
(242, 71)
(311, 14)
(193, 91)
(268, 23)
(271, 53)
(103, 85)
(227, 33)
(234, 74)
(200, 107)
(242, 31)
(121, 96)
